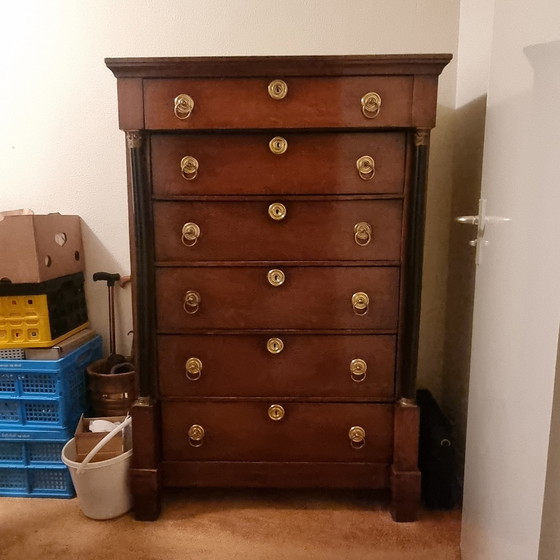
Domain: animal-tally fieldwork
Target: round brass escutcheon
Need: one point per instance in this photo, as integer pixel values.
(278, 145)
(362, 233)
(366, 167)
(358, 368)
(278, 89)
(276, 277)
(183, 106)
(190, 234)
(360, 303)
(191, 302)
(193, 369)
(371, 104)
(189, 167)
(274, 345)
(276, 412)
(277, 211)
(357, 437)
(196, 435)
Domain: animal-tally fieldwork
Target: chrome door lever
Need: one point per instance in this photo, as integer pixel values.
(480, 221)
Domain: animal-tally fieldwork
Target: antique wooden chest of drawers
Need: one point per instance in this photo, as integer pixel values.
(276, 211)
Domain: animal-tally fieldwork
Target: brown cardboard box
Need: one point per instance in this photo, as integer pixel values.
(86, 440)
(36, 248)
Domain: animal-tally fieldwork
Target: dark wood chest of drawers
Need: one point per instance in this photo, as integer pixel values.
(276, 211)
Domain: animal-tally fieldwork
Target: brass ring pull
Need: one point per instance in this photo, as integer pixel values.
(276, 412)
(371, 104)
(362, 233)
(183, 106)
(276, 277)
(189, 168)
(274, 345)
(357, 437)
(358, 368)
(191, 303)
(278, 145)
(366, 168)
(196, 435)
(360, 303)
(277, 211)
(193, 369)
(278, 89)
(190, 234)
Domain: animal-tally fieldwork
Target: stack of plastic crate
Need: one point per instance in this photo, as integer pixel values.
(45, 346)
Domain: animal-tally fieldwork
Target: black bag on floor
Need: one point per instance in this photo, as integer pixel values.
(436, 457)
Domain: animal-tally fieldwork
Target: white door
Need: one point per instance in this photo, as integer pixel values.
(517, 295)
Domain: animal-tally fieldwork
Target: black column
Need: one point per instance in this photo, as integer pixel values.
(413, 269)
(142, 254)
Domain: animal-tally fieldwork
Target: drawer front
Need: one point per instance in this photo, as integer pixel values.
(243, 431)
(308, 103)
(277, 365)
(308, 298)
(252, 231)
(245, 164)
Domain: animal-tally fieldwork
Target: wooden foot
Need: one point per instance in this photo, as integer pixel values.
(405, 495)
(145, 486)
(405, 476)
(144, 475)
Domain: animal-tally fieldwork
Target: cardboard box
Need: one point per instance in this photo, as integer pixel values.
(86, 440)
(36, 248)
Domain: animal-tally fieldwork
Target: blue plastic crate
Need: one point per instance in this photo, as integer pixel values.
(21, 453)
(36, 482)
(19, 433)
(48, 394)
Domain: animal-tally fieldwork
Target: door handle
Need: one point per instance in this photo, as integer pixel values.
(480, 221)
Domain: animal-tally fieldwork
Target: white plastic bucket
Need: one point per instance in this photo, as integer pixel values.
(102, 488)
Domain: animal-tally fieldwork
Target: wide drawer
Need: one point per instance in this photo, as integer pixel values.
(312, 163)
(341, 366)
(308, 103)
(278, 230)
(245, 297)
(244, 431)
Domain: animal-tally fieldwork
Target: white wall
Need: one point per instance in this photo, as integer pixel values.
(61, 150)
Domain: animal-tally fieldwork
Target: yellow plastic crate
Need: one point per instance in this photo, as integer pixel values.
(42, 320)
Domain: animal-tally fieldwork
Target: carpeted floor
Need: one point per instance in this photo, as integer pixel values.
(230, 525)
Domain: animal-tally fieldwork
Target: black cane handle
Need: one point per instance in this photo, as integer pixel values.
(106, 277)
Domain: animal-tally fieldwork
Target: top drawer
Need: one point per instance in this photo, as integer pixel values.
(362, 102)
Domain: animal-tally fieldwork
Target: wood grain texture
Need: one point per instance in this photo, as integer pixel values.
(308, 366)
(222, 474)
(319, 163)
(131, 103)
(309, 103)
(277, 66)
(242, 431)
(311, 231)
(243, 298)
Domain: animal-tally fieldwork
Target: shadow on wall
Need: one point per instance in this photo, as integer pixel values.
(99, 258)
(467, 176)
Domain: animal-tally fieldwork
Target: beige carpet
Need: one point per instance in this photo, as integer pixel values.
(232, 524)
